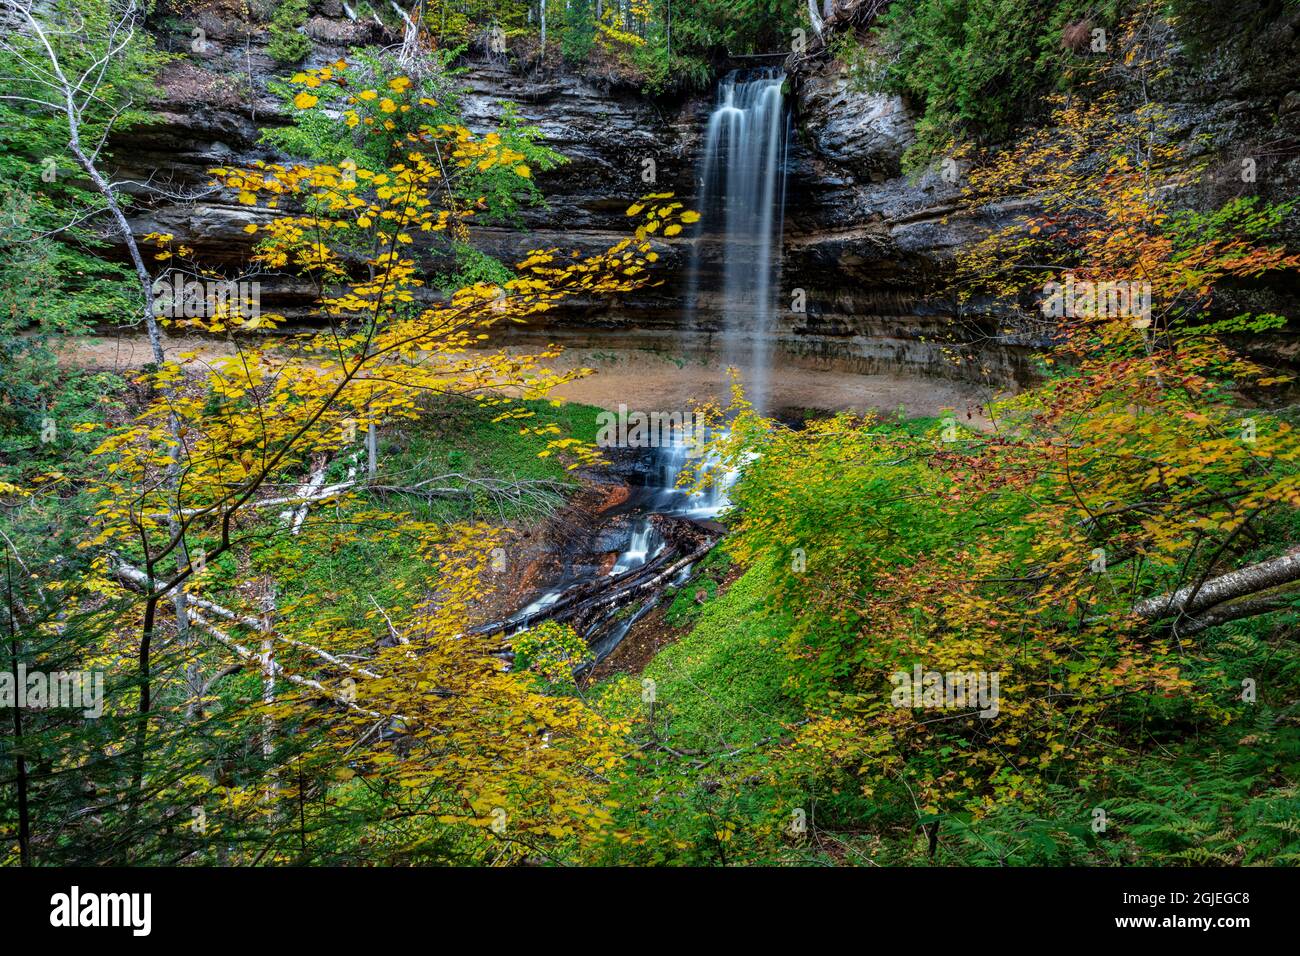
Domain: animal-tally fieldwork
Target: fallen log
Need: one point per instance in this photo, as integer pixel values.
(1199, 621)
(600, 605)
(1251, 581)
(138, 580)
(585, 602)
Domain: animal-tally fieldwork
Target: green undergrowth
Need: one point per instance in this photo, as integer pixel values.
(344, 566)
(711, 698)
(463, 439)
(719, 687)
(707, 784)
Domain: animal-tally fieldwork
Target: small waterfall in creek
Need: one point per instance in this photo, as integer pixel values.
(644, 542)
(735, 261)
(638, 549)
(664, 497)
(641, 541)
(703, 505)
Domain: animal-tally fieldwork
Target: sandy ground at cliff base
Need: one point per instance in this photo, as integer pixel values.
(652, 381)
(647, 381)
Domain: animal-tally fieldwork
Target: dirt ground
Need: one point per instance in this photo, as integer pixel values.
(647, 381)
(130, 350)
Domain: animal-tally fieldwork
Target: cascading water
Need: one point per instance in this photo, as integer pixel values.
(671, 500)
(639, 548)
(642, 541)
(742, 199)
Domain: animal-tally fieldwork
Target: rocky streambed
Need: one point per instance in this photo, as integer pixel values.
(604, 561)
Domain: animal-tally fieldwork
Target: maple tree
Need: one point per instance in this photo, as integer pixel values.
(431, 724)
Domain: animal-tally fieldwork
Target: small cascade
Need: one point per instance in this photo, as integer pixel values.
(705, 504)
(742, 202)
(643, 543)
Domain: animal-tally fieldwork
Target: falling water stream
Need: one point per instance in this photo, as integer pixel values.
(742, 200)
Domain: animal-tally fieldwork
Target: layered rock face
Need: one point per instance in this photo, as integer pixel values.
(869, 246)
(620, 145)
(863, 245)
(868, 242)
(858, 239)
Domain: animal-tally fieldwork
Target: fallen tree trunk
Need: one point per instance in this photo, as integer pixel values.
(597, 607)
(1199, 621)
(512, 490)
(1249, 581)
(137, 579)
(273, 670)
(587, 601)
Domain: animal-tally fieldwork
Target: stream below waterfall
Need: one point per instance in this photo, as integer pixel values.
(632, 531)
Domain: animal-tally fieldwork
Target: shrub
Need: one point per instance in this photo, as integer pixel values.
(287, 44)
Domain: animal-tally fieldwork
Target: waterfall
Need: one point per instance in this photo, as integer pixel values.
(742, 199)
(707, 503)
(642, 546)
